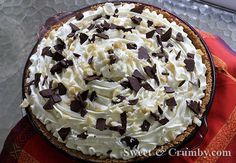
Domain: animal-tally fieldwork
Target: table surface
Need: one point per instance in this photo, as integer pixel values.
(20, 21)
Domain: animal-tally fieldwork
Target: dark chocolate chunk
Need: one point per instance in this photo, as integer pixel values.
(57, 68)
(45, 51)
(57, 56)
(169, 89)
(56, 98)
(160, 110)
(163, 121)
(151, 72)
(44, 80)
(79, 16)
(107, 16)
(78, 106)
(167, 35)
(113, 59)
(181, 83)
(91, 26)
(135, 84)
(83, 96)
(76, 55)
(71, 35)
(101, 35)
(63, 132)
(37, 79)
(133, 102)
(74, 28)
(130, 142)
(99, 28)
(149, 23)
(131, 46)
(61, 89)
(145, 126)
(83, 112)
(171, 102)
(105, 25)
(178, 55)
(190, 55)
(189, 64)
(50, 84)
(90, 61)
(120, 98)
(109, 151)
(83, 37)
(96, 18)
(91, 78)
(159, 41)
(150, 34)
(147, 86)
(83, 135)
(101, 124)
(198, 83)
(46, 93)
(165, 73)
(138, 75)
(125, 84)
(136, 20)
(143, 53)
(110, 51)
(60, 45)
(49, 104)
(179, 37)
(123, 119)
(194, 106)
(93, 96)
(138, 9)
(116, 10)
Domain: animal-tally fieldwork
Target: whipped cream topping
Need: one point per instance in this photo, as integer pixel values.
(156, 116)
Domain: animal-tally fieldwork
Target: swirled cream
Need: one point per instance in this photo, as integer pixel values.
(115, 79)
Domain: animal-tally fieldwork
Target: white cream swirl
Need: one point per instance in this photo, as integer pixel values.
(99, 142)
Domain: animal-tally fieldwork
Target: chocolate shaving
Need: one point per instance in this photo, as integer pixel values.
(145, 126)
(93, 96)
(147, 86)
(138, 9)
(167, 35)
(179, 37)
(171, 102)
(46, 51)
(101, 35)
(78, 105)
(138, 75)
(49, 104)
(159, 31)
(46, 93)
(63, 132)
(150, 34)
(130, 142)
(178, 55)
(181, 83)
(37, 79)
(109, 151)
(57, 56)
(160, 110)
(135, 85)
(155, 116)
(136, 20)
(113, 59)
(44, 80)
(143, 53)
(56, 98)
(107, 16)
(101, 124)
(125, 84)
(83, 37)
(91, 78)
(60, 45)
(74, 28)
(91, 26)
(83, 96)
(76, 55)
(131, 46)
(194, 106)
(123, 119)
(159, 41)
(189, 64)
(90, 61)
(105, 25)
(133, 102)
(199, 83)
(169, 45)
(149, 23)
(163, 121)
(83, 135)
(79, 16)
(169, 89)
(190, 55)
(96, 18)
(165, 73)
(120, 98)
(151, 72)
(61, 89)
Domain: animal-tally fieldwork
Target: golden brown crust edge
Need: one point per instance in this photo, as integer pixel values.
(77, 154)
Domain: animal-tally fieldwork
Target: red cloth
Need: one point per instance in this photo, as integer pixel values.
(24, 145)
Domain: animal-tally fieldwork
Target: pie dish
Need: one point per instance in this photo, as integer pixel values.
(117, 77)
